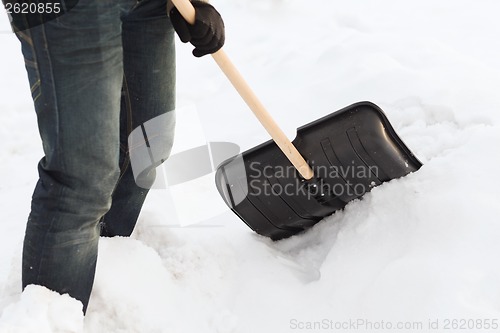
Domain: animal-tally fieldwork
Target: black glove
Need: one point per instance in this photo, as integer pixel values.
(207, 33)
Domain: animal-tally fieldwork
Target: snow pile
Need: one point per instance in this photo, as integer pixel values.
(42, 311)
(418, 251)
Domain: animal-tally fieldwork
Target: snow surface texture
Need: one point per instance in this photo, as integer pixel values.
(418, 249)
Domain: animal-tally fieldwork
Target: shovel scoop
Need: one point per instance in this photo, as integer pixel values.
(350, 152)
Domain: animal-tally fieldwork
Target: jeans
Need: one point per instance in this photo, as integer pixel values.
(96, 73)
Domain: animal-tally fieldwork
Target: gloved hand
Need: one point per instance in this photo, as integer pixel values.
(207, 34)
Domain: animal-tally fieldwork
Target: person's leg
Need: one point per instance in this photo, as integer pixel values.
(148, 100)
(75, 69)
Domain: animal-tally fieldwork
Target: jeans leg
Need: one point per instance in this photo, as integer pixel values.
(75, 68)
(148, 96)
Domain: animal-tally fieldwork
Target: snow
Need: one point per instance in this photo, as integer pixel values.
(419, 249)
(46, 311)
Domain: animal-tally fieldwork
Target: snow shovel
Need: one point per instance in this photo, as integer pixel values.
(281, 188)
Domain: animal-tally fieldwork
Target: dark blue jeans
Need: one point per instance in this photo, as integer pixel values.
(96, 73)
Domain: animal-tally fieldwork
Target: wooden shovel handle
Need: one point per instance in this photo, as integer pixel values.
(188, 12)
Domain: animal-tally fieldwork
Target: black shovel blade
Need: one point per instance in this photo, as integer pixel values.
(350, 151)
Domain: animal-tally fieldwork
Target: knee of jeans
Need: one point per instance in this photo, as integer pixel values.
(87, 182)
(104, 182)
(96, 190)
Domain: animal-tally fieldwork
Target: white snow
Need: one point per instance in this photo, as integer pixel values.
(418, 250)
(42, 311)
